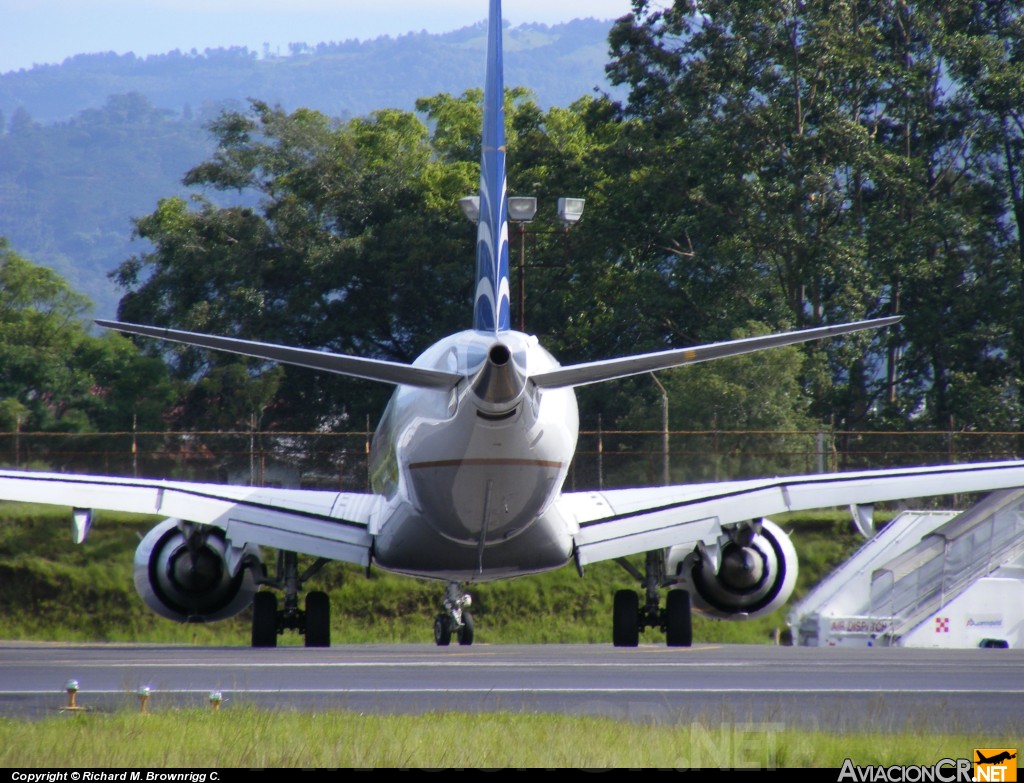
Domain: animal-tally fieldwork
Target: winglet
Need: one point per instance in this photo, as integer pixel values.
(491, 308)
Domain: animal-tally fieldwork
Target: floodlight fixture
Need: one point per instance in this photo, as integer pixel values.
(521, 209)
(570, 210)
(470, 206)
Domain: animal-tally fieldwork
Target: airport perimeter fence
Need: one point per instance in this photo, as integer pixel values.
(604, 459)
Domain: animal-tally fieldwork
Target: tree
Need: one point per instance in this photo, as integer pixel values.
(54, 375)
(984, 47)
(356, 223)
(762, 399)
(937, 231)
(825, 166)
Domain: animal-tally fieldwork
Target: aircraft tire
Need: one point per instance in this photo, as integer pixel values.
(626, 619)
(442, 630)
(318, 619)
(264, 620)
(465, 633)
(678, 619)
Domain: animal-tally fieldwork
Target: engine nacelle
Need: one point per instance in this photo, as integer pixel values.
(189, 573)
(749, 573)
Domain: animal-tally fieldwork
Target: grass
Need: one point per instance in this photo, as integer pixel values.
(54, 590)
(249, 737)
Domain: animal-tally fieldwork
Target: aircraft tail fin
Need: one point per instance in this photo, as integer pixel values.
(491, 308)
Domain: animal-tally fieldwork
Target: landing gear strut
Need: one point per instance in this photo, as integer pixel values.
(454, 619)
(629, 618)
(314, 622)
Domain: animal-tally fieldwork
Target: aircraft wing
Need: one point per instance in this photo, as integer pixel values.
(619, 522)
(327, 524)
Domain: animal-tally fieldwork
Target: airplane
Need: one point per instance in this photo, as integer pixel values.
(467, 468)
(996, 759)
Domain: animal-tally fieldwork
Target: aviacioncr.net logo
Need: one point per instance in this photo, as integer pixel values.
(942, 771)
(995, 764)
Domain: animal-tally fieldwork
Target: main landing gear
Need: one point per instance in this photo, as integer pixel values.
(313, 622)
(454, 619)
(629, 618)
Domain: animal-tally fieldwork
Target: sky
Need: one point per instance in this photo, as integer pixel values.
(47, 31)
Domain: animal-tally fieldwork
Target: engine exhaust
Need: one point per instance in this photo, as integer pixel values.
(499, 383)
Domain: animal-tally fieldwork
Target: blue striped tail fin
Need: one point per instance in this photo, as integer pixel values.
(491, 308)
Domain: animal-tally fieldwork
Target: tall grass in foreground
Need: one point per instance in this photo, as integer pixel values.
(249, 737)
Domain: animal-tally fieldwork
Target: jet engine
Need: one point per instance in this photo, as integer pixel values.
(751, 571)
(191, 574)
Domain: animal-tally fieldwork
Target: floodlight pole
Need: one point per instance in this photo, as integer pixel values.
(521, 210)
(522, 277)
(664, 431)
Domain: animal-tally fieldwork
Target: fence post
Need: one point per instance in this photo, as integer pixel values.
(252, 449)
(715, 447)
(366, 453)
(135, 445)
(951, 448)
(664, 431)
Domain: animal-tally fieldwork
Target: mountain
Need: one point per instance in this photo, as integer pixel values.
(88, 144)
(558, 63)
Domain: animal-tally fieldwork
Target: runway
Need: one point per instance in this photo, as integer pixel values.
(836, 689)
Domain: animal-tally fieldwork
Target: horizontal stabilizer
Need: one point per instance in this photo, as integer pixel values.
(355, 367)
(609, 369)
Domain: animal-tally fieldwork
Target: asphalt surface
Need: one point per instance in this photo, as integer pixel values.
(837, 689)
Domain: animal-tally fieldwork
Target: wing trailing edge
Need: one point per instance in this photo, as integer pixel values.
(313, 522)
(610, 369)
(616, 523)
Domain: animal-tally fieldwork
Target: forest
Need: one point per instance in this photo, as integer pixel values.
(773, 166)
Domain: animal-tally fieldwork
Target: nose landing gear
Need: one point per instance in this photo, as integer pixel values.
(454, 619)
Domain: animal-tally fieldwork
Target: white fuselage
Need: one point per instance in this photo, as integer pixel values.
(470, 475)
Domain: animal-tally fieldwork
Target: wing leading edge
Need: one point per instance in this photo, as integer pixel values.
(616, 523)
(334, 525)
